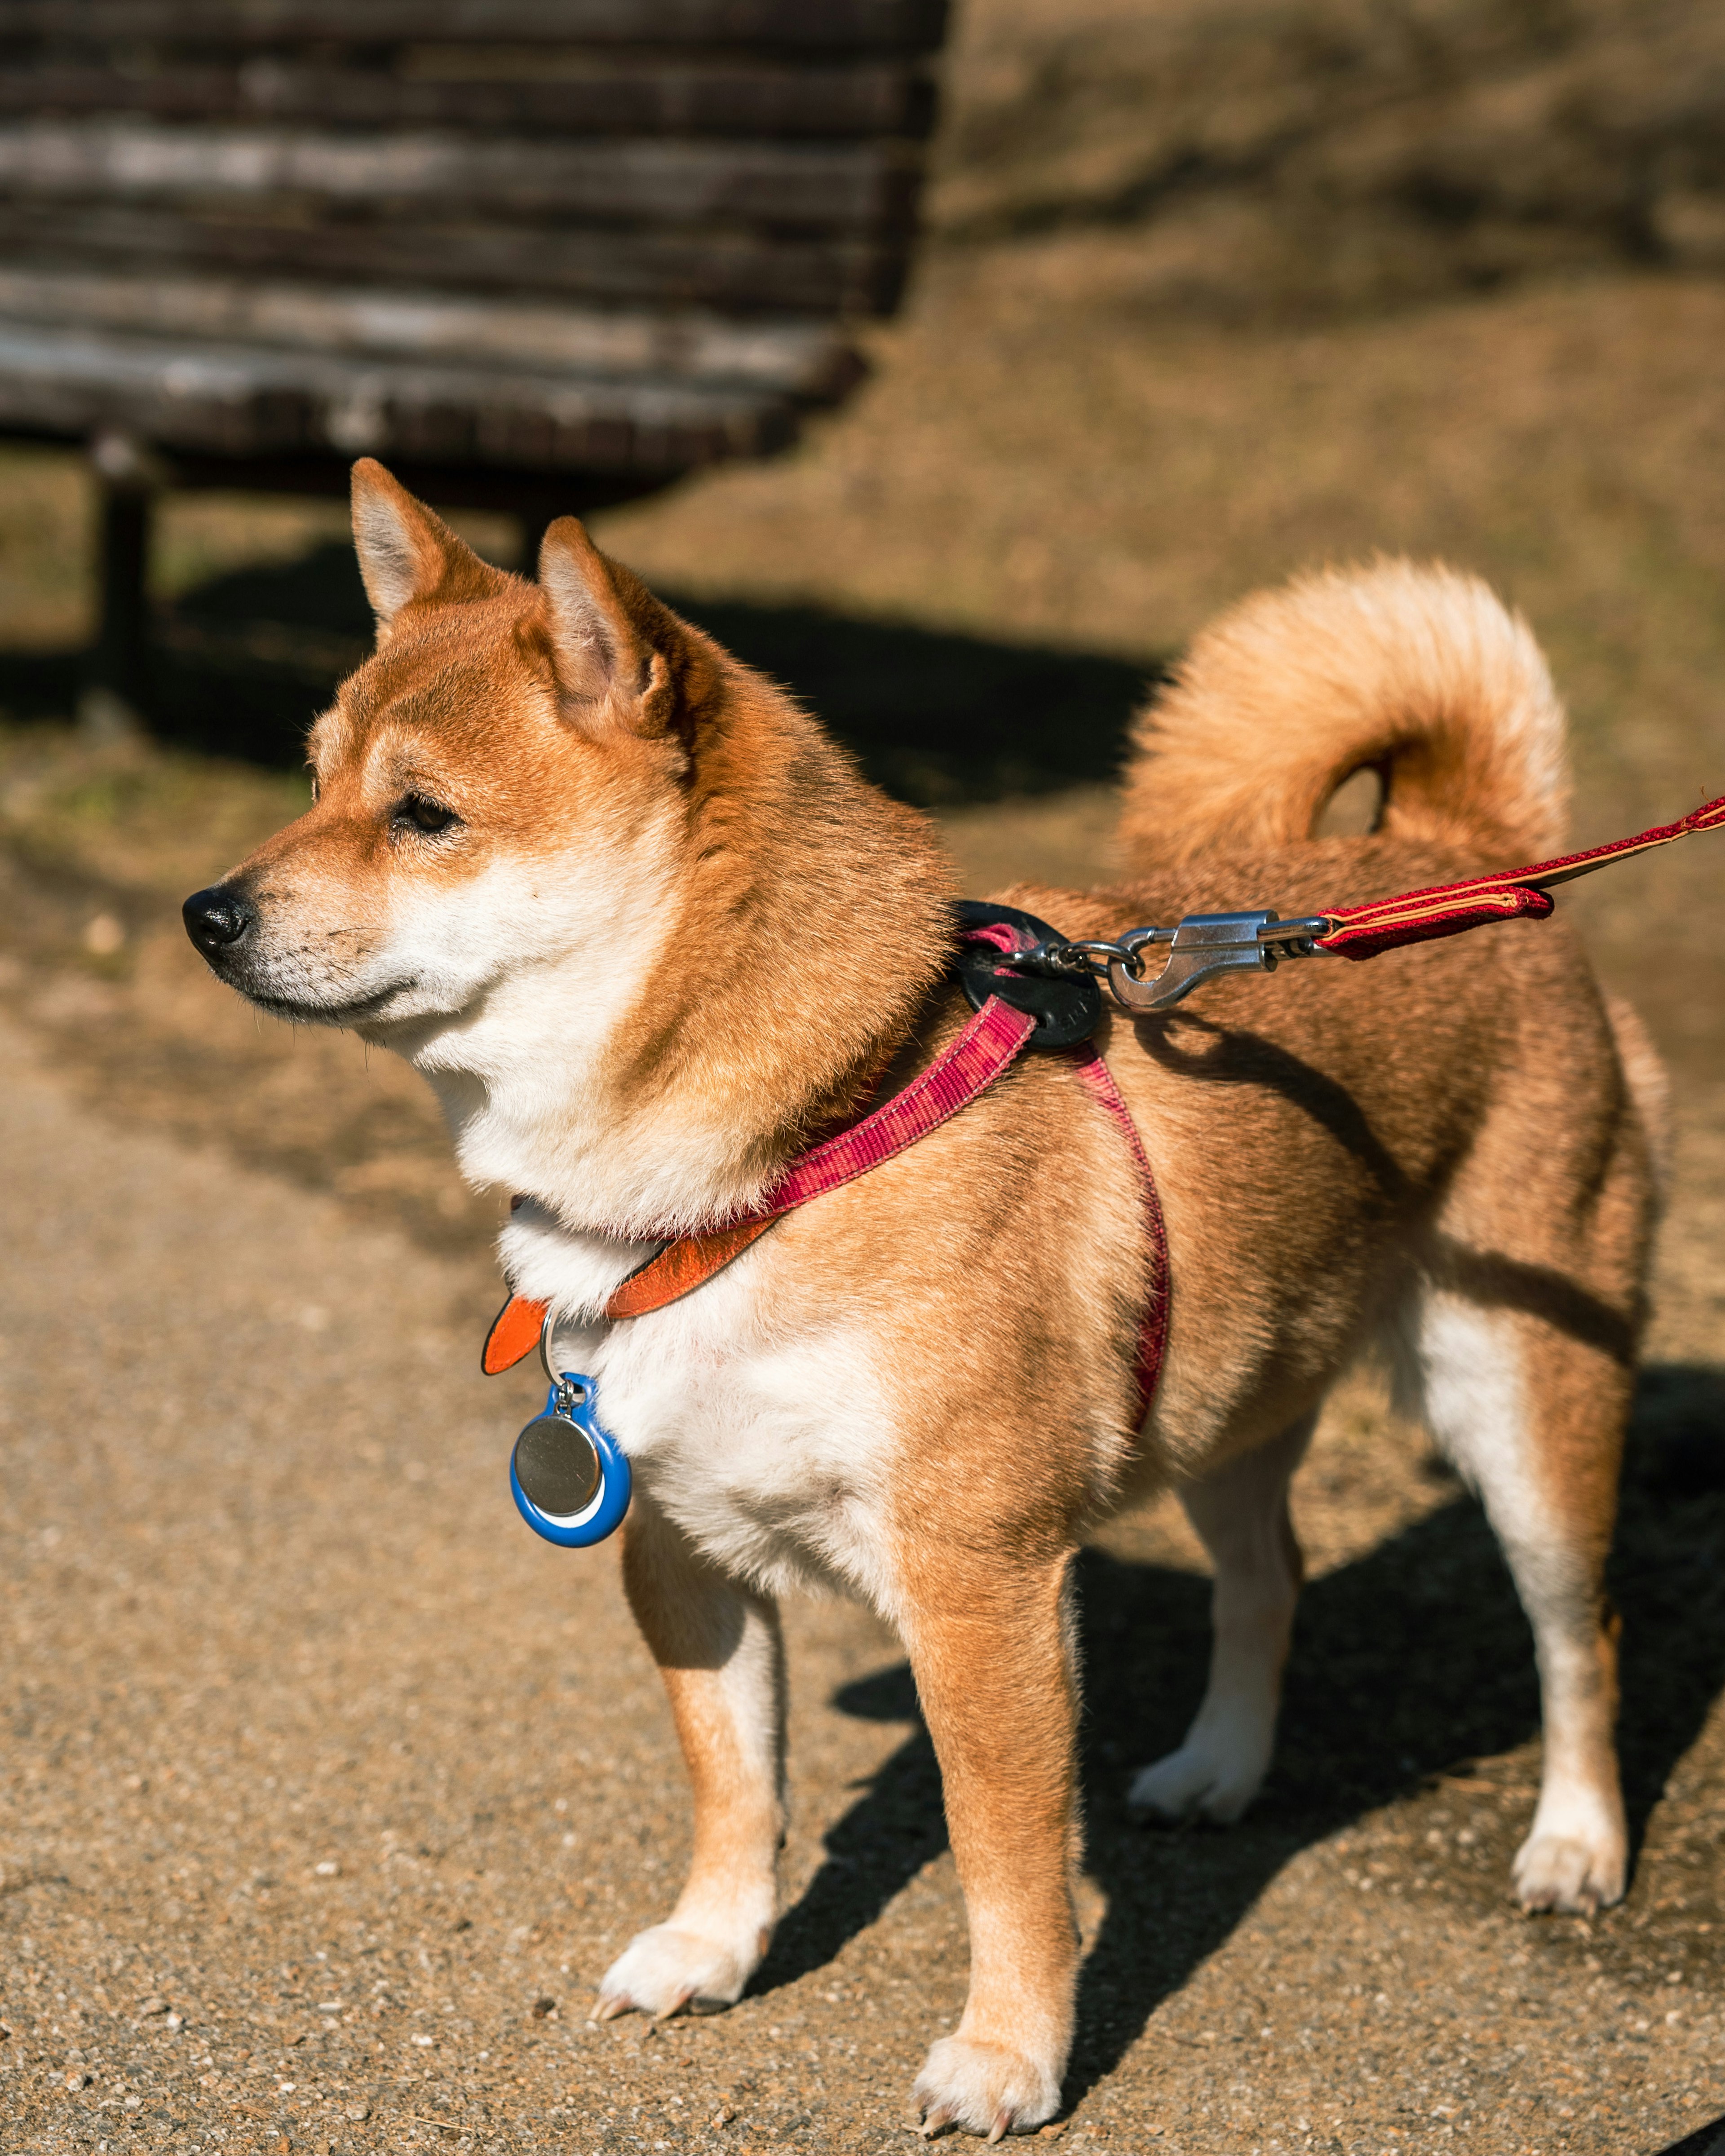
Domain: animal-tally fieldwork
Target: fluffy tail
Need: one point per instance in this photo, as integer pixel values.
(1421, 673)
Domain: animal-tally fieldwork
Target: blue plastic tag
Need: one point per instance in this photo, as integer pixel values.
(569, 1476)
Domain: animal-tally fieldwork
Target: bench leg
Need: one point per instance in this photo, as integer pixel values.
(534, 524)
(115, 692)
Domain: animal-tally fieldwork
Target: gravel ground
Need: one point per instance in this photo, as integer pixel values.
(292, 1854)
(328, 1793)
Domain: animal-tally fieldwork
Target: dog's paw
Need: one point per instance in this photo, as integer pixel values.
(1202, 1780)
(984, 2088)
(1568, 1873)
(666, 1971)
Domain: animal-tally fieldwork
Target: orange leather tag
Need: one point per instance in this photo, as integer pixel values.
(514, 1333)
(680, 1267)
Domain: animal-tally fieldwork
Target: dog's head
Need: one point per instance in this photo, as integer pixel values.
(502, 786)
(564, 852)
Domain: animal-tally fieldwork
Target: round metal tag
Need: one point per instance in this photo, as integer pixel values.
(557, 1465)
(569, 1476)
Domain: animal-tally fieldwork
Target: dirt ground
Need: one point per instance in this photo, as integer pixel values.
(326, 1792)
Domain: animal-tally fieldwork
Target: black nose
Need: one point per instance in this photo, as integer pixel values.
(216, 919)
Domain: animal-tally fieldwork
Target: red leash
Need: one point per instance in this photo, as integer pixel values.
(1446, 908)
(1204, 945)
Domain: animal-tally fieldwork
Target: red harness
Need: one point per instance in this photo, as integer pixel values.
(988, 1045)
(993, 1040)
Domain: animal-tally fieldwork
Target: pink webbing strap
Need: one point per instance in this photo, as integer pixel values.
(1416, 916)
(988, 1045)
(1095, 1075)
(974, 1060)
(966, 1067)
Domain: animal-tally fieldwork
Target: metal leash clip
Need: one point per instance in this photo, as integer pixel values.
(569, 1476)
(1201, 947)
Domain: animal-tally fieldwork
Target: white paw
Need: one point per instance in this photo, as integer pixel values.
(1204, 1779)
(663, 1971)
(985, 2088)
(1570, 1873)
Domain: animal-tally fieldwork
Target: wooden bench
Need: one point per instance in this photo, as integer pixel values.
(538, 255)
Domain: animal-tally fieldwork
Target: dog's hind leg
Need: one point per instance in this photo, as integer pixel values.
(1532, 1415)
(721, 1654)
(1241, 1516)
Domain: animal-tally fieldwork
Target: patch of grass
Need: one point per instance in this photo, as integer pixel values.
(131, 814)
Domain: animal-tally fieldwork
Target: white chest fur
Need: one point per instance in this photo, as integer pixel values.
(771, 1453)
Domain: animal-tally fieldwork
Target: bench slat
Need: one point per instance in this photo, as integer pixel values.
(241, 402)
(518, 237)
(643, 268)
(620, 97)
(808, 361)
(793, 186)
(845, 25)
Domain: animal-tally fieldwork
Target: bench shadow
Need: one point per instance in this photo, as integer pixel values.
(938, 718)
(240, 665)
(1411, 1662)
(1707, 2140)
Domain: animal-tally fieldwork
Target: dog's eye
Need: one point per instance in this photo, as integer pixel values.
(424, 815)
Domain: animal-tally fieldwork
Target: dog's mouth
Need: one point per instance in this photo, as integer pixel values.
(226, 925)
(319, 1011)
(311, 986)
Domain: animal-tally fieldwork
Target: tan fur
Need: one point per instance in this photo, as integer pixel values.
(1649, 1087)
(1439, 1148)
(1419, 673)
(694, 1621)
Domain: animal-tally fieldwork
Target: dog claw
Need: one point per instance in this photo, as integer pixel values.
(1003, 2119)
(942, 2115)
(607, 2009)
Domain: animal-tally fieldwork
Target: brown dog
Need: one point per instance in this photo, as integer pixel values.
(646, 931)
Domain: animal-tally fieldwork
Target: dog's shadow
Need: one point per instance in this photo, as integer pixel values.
(1413, 1659)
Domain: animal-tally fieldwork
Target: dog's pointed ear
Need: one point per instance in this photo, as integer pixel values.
(406, 553)
(612, 642)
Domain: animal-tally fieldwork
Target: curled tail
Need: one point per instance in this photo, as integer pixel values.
(1421, 673)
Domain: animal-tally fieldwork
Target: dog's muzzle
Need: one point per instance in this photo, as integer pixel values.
(217, 919)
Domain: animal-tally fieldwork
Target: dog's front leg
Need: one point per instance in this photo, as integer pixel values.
(720, 1652)
(991, 1649)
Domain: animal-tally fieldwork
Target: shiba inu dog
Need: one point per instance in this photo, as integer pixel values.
(646, 931)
